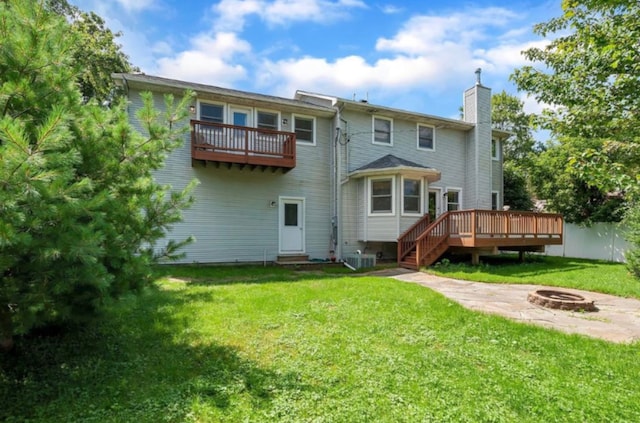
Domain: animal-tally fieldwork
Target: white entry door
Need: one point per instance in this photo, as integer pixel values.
(292, 225)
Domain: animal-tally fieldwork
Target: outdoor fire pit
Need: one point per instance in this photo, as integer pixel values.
(560, 300)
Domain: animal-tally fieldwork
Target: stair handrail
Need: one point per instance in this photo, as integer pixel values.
(427, 241)
(407, 240)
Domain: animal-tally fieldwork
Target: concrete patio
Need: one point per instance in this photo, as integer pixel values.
(617, 319)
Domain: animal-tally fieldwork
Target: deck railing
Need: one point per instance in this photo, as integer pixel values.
(480, 228)
(219, 142)
(482, 224)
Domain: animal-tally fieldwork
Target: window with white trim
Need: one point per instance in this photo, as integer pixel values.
(495, 149)
(304, 127)
(267, 120)
(426, 137)
(381, 191)
(495, 200)
(382, 131)
(411, 196)
(212, 113)
(453, 200)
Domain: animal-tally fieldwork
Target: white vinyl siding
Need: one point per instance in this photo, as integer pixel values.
(232, 217)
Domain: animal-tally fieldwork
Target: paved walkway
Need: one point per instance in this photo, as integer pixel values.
(617, 319)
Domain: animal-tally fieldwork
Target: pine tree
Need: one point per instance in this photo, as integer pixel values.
(79, 209)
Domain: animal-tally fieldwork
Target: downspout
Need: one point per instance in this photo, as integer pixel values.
(477, 135)
(337, 191)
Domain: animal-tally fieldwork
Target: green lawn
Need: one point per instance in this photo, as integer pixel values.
(267, 344)
(590, 275)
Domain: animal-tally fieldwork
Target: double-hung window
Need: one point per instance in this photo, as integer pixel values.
(267, 120)
(411, 196)
(211, 113)
(382, 131)
(453, 200)
(304, 127)
(495, 149)
(381, 195)
(426, 137)
(210, 134)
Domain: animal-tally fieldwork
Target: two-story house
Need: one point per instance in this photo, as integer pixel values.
(318, 176)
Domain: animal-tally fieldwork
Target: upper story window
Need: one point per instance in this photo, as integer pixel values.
(412, 196)
(381, 195)
(426, 137)
(453, 200)
(382, 131)
(304, 127)
(267, 120)
(212, 113)
(495, 149)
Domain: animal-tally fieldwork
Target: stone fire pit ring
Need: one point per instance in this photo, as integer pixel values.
(561, 300)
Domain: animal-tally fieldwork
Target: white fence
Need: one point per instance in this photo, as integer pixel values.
(602, 241)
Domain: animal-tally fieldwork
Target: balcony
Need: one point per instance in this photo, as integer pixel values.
(255, 148)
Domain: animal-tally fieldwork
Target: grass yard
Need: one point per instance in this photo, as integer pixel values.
(270, 344)
(589, 275)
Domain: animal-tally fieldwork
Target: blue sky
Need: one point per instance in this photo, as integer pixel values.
(414, 55)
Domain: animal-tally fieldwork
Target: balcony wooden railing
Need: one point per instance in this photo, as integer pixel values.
(478, 229)
(230, 144)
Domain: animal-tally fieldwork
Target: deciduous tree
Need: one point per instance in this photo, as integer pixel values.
(95, 51)
(590, 74)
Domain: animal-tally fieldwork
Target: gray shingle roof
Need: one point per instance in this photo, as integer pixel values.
(390, 161)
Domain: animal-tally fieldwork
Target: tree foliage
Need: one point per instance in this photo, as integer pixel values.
(566, 192)
(79, 210)
(95, 50)
(591, 77)
(507, 114)
(516, 192)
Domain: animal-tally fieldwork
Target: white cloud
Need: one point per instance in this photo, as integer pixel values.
(503, 58)
(390, 9)
(162, 48)
(136, 5)
(353, 74)
(429, 53)
(233, 13)
(428, 34)
(210, 60)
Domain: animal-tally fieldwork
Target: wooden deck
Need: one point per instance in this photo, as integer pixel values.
(257, 148)
(475, 231)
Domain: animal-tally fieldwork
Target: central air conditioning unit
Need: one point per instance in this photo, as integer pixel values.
(359, 261)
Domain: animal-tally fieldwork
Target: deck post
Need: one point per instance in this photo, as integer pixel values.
(473, 227)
